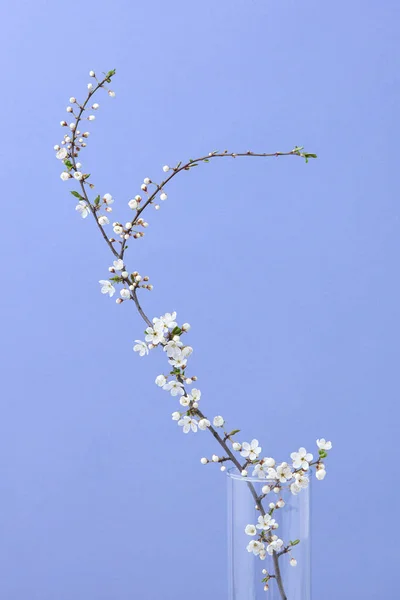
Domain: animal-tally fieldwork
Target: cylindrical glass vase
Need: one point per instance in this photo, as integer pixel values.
(286, 579)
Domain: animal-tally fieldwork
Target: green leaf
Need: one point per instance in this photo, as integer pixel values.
(97, 200)
(68, 164)
(176, 331)
(294, 543)
(323, 454)
(116, 278)
(111, 73)
(234, 432)
(77, 195)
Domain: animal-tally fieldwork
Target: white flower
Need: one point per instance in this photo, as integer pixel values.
(324, 445)
(118, 264)
(265, 522)
(107, 287)
(203, 461)
(91, 118)
(184, 400)
(320, 474)
(161, 380)
(203, 424)
(141, 347)
(169, 320)
(83, 209)
(108, 199)
(72, 126)
(301, 459)
(293, 562)
(146, 181)
(261, 470)
(90, 87)
(175, 387)
(64, 176)
(236, 446)
(283, 472)
(133, 204)
(62, 153)
(255, 547)
(95, 106)
(125, 294)
(196, 394)
(179, 362)
(302, 481)
(274, 546)
(173, 349)
(111, 94)
(72, 100)
(188, 424)
(250, 530)
(218, 421)
(153, 336)
(176, 416)
(250, 451)
(78, 175)
(118, 229)
(91, 73)
(187, 351)
(163, 196)
(266, 489)
(185, 327)
(103, 220)
(165, 168)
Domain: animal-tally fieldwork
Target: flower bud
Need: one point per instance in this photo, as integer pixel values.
(72, 100)
(203, 461)
(91, 73)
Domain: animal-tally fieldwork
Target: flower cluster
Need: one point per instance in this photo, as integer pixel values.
(165, 333)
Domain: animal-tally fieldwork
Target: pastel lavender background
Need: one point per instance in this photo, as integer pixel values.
(287, 272)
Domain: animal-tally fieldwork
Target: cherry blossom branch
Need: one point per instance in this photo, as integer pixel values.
(164, 332)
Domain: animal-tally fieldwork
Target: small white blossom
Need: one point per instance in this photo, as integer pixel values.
(133, 204)
(161, 380)
(324, 445)
(78, 175)
(65, 175)
(146, 181)
(62, 153)
(215, 458)
(108, 199)
(274, 546)
(196, 394)
(165, 168)
(250, 451)
(184, 400)
(218, 421)
(118, 229)
(255, 547)
(185, 327)
(90, 86)
(111, 94)
(153, 335)
(203, 461)
(125, 294)
(265, 522)
(118, 264)
(250, 530)
(266, 489)
(188, 424)
(141, 347)
(173, 349)
(91, 73)
(103, 220)
(91, 118)
(203, 424)
(244, 473)
(169, 320)
(320, 474)
(187, 351)
(107, 287)
(301, 459)
(236, 446)
(95, 106)
(83, 209)
(163, 196)
(175, 387)
(72, 100)
(284, 472)
(176, 416)
(293, 562)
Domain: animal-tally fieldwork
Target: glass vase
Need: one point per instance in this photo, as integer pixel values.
(289, 581)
